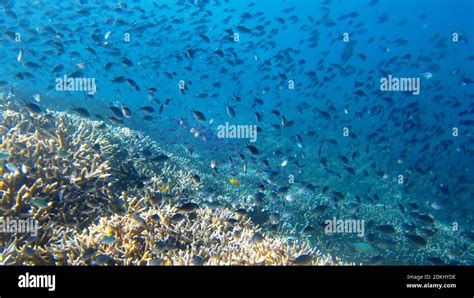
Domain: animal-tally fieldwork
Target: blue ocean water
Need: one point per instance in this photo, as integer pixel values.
(308, 74)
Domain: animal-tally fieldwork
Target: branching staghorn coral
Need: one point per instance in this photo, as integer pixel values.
(53, 165)
(206, 236)
(48, 158)
(97, 202)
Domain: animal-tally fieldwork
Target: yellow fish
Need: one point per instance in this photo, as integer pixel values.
(109, 231)
(234, 182)
(164, 187)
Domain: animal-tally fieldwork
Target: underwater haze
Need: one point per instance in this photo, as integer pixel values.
(218, 132)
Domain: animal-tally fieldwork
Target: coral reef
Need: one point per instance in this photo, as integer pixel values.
(167, 237)
(104, 195)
